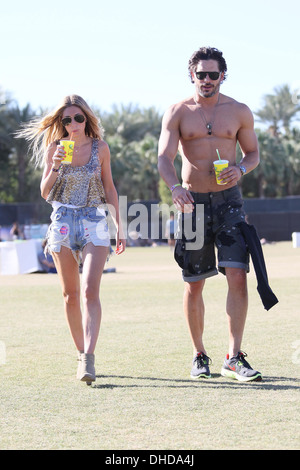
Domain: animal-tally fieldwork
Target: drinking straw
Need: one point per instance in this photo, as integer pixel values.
(218, 154)
(71, 138)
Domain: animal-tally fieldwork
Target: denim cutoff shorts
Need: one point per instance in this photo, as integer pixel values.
(75, 228)
(222, 213)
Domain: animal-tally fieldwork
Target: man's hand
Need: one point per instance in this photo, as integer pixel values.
(230, 175)
(183, 199)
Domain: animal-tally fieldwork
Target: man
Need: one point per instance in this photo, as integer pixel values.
(198, 126)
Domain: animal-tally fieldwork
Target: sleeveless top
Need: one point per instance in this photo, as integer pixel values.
(80, 186)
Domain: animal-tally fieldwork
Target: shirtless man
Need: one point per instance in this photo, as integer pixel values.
(197, 126)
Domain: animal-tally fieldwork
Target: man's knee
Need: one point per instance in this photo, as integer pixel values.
(236, 278)
(194, 288)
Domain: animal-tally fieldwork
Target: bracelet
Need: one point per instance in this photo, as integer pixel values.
(174, 186)
(243, 170)
(55, 171)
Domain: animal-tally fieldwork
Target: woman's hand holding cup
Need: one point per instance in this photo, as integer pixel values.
(58, 156)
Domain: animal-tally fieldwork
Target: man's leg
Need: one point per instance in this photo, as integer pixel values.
(194, 313)
(235, 365)
(193, 307)
(236, 307)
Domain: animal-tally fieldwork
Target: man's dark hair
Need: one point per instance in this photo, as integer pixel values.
(207, 53)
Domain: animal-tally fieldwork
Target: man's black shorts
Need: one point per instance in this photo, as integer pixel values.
(222, 211)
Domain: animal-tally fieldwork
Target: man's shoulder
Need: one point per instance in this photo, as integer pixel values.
(180, 105)
(186, 103)
(227, 100)
(177, 111)
(238, 110)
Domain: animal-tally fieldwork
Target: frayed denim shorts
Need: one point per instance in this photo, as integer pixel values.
(222, 213)
(75, 228)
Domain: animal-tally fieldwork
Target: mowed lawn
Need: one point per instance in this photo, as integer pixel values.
(143, 397)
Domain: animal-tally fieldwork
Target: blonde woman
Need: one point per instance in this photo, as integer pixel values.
(78, 193)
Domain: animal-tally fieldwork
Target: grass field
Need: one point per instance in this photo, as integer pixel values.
(143, 397)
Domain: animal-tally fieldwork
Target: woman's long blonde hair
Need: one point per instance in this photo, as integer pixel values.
(42, 131)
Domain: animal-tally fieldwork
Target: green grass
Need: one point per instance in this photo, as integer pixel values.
(143, 397)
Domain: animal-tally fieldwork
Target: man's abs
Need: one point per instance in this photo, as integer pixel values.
(200, 177)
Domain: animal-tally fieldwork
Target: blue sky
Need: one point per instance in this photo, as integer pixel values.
(131, 51)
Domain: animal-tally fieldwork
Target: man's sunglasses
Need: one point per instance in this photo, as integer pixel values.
(78, 118)
(212, 75)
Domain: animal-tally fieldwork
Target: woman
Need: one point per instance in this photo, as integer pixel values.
(78, 193)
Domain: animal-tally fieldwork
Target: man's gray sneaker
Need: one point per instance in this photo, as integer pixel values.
(238, 368)
(200, 367)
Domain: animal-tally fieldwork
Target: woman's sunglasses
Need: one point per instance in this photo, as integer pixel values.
(78, 118)
(212, 75)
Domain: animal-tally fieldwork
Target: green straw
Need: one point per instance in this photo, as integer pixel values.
(218, 154)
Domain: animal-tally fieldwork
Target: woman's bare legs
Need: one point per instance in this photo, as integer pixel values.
(68, 271)
(84, 326)
(94, 258)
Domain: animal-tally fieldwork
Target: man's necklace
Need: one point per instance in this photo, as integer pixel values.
(208, 125)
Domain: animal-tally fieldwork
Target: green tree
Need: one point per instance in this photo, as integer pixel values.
(278, 172)
(18, 177)
(132, 134)
(279, 110)
(292, 151)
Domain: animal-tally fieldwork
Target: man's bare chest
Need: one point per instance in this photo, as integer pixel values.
(197, 124)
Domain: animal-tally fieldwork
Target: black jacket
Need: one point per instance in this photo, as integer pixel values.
(268, 298)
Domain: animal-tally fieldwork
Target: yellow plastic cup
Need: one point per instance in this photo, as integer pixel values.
(219, 165)
(69, 148)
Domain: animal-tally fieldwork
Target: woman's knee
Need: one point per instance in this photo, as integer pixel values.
(71, 296)
(90, 293)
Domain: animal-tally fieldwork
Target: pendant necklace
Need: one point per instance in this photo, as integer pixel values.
(77, 148)
(208, 125)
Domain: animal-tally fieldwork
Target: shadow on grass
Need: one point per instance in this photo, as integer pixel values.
(216, 381)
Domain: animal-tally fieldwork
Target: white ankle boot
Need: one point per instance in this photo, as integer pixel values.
(87, 369)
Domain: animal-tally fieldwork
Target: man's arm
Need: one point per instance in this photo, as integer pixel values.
(247, 140)
(167, 151)
(167, 147)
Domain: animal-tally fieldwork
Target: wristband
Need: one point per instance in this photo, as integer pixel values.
(243, 170)
(174, 186)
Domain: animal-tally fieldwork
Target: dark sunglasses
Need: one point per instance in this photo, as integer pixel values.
(78, 118)
(212, 75)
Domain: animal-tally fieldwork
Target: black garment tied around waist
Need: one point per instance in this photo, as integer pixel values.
(267, 296)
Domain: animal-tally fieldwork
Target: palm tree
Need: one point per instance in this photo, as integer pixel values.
(132, 134)
(131, 122)
(292, 151)
(11, 118)
(279, 110)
